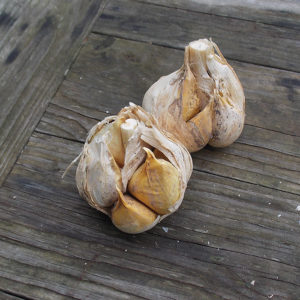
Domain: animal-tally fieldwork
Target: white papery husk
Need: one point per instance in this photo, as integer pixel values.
(98, 176)
(202, 102)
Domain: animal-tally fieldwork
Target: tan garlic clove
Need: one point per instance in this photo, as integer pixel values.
(113, 138)
(104, 179)
(156, 183)
(202, 102)
(131, 216)
(98, 173)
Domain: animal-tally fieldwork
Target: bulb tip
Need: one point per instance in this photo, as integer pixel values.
(150, 154)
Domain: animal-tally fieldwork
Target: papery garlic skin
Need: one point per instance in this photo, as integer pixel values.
(202, 102)
(98, 174)
(104, 174)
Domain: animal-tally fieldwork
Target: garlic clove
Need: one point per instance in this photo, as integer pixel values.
(202, 125)
(113, 138)
(127, 130)
(191, 102)
(228, 122)
(156, 183)
(131, 216)
(97, 173)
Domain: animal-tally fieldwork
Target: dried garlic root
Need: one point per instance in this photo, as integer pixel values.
(120, 175)
(202, 102)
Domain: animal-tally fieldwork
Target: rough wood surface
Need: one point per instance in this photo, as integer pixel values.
(276, 12)
(225, 235)
(38, 42)
(236, 235)
(253, 42)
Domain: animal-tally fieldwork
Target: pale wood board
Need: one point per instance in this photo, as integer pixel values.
(38, 42)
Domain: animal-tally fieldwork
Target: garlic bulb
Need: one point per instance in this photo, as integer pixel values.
(202, 102)
(120, 175)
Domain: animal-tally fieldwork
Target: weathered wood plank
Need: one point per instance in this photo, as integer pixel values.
(7, 296)
(90, 248)
(251, 164)
(276, 12)
(90, 89)
(39, 40)
(238, 39)
(66, 123)
(268, 223)
(59, 284)
(27, 291)
(236, 236)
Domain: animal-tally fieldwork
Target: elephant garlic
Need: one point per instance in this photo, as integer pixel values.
(202, 102)
(119, 174)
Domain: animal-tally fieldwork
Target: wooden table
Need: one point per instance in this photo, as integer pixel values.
(65, 65)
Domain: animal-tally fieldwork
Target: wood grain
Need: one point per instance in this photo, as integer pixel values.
(236, 234)
(17, 290)
(276, 12)
(38, 42)
(253, 42)
(39, 169)
(225, 234)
